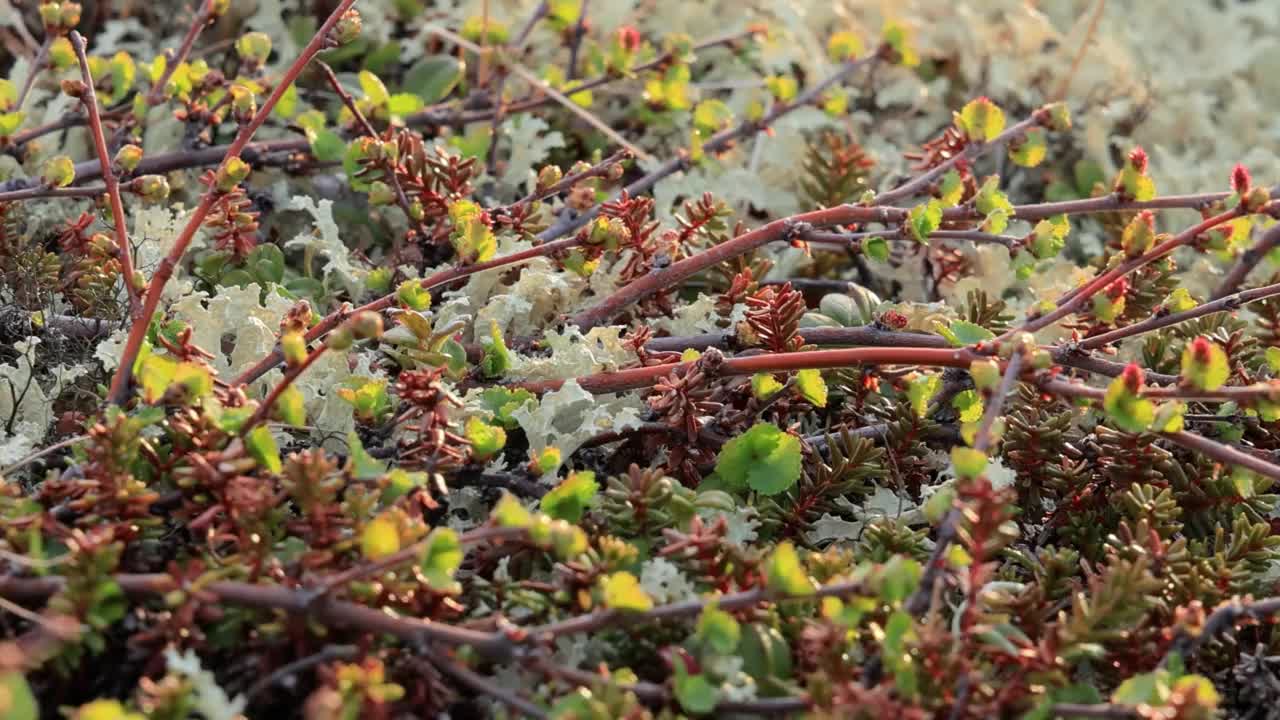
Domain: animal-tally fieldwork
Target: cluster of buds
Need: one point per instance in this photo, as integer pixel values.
(230, 174)
(1252, 199)
(363, 326)
(152, 188)
(254, 48)
(243, 103)
(59, 17)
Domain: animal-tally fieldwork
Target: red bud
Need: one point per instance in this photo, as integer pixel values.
(629, 38)
(1117, 289)
(1138, 159)
(1240, 180)
(1132, 376)
(1201, 349)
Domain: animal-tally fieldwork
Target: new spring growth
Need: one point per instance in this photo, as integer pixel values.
(381, 193)
(1252, 199)
(1204, 364)
(346, 30)
(127, 158)
(365, 326)
(986, 375)
(59, 172)
(1139, 235)
(254, 48)
(609, 232)
(152, 188)
(294, 348)
(59, 17)
(1132, 183)
(548, 176)
(232, 173)
(243, 104)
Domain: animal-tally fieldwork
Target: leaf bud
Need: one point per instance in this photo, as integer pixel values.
(128, 157)
(153, 188)
(232, 173)
(346, 30)
(59, 172)
(367, 326)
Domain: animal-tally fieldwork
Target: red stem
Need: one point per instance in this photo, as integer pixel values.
(90, 101)
(138, 332)
(633, 378)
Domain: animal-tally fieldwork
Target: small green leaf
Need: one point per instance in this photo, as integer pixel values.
(719, 630)
(968, 462)
(899, 579)
(402, 104)
(432, 78)
(501, 402)
(327, 145)
(920, 390)
(1204, 364)
(896, 36)
(695, 693)
(1273, 358)
(1127, 409)
(262, 446)
(622, 591)
(17, 702)
(497, 359)
(510, 513)
(441, 557)
(962, 333)
(924, 219)
(1049, 236)
(360, 463)
(291, 407)
(876, 248)
(843, 45)
(711, 116)
(981, 119)
(763, 458)
(812, 387)
(784, 574)
(1031, 150)
(486, 440)
(380, 538)
(59, 172)
(569, 500)
(951, 188)
(765, 385)
(994, 204)
(969, 404)
(156, 376)
(10, 122)
(374, 90)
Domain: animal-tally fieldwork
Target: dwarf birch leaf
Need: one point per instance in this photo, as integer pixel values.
(622, 591)
(763, 458)
(982, 120)
(784, 574)
(568, 500)
(812, 387)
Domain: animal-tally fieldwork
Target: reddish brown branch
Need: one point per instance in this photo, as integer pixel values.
(633, 378)
(155, 288)
(109, 181)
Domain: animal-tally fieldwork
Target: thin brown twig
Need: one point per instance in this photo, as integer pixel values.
(1225, 303)
(1249, 259)
(37, 67)
(172, 62)
(388, 171)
